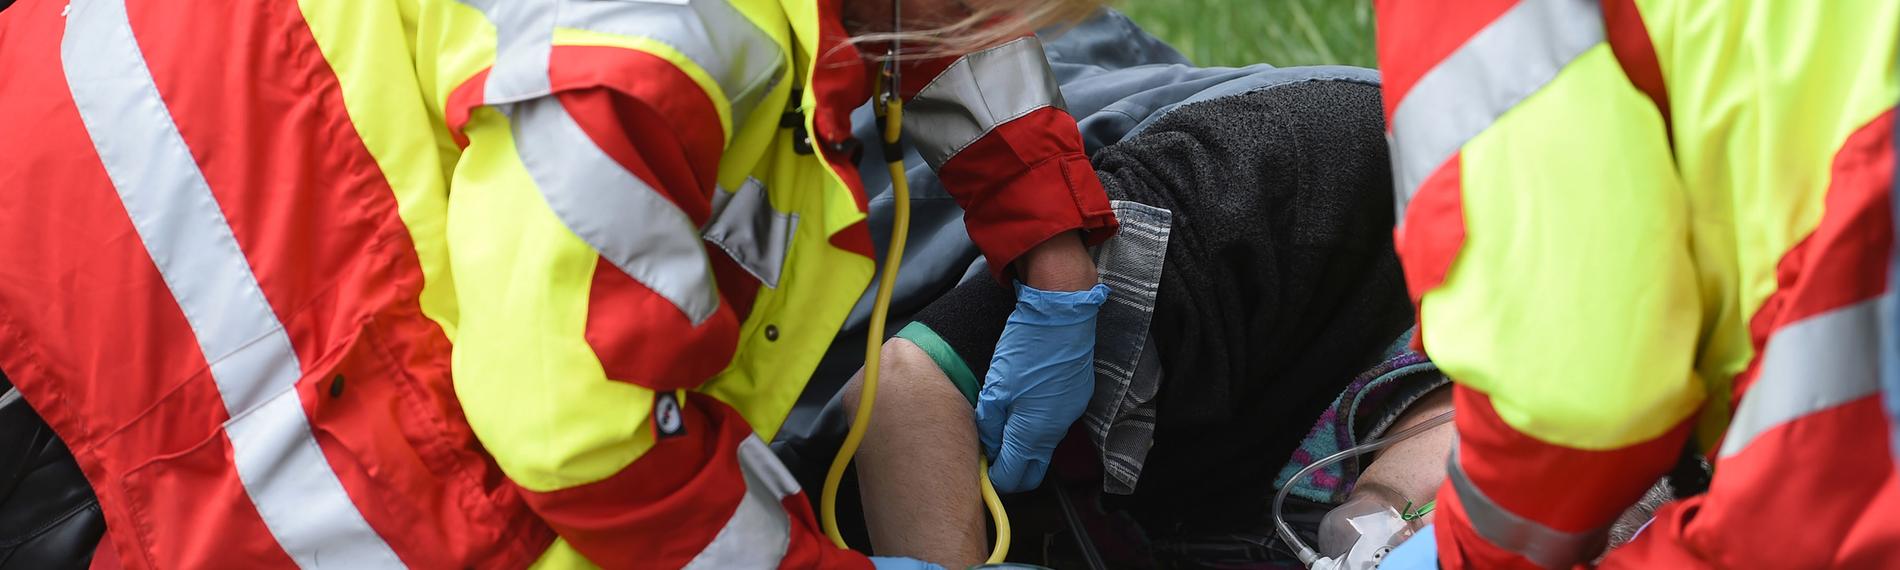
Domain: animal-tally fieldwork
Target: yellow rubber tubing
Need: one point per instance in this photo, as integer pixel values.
(997, 514)
(867, 396)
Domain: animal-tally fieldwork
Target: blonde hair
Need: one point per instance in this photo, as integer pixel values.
(996, 22)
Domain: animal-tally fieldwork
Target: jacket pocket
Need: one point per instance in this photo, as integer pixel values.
(339, 469)
(392, 450)
(385, 416)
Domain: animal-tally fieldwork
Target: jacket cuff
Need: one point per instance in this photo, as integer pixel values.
(1011, 204)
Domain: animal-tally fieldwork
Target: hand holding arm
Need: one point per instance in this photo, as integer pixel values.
(1039, 383)
(1059, 264)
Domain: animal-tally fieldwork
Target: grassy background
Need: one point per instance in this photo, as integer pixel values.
(1242, 32)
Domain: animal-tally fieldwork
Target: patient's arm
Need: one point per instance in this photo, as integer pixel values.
(917, 469)
(1413, 469)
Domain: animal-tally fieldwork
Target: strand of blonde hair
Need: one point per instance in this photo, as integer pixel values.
(987, 27)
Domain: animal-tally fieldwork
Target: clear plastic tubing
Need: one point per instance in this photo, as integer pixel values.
(1306, 553)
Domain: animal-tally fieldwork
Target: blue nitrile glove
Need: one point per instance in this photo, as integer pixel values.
(1040, 381)
(1417, 553)
(896, 563)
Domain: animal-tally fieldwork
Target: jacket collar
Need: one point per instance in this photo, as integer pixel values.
(837, 80)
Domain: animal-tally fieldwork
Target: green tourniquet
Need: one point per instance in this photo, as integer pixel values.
(1408, 514)
(945, 357)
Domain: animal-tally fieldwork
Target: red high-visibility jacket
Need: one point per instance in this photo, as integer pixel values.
(1632, 225)
(224, 285)
(248, 243)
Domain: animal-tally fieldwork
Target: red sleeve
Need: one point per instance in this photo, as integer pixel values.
(1025, 182)
(1491, 515)
(1026, 179)
(662, 139)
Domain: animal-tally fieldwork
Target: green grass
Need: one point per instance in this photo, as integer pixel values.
(1242, 32)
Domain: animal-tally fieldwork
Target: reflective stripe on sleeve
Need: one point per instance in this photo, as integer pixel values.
(1499, 66)
(1809, 366)
(1544, 546)
(183, 229)
(978, 93)
(524, 41)
(759, 532)
(1890, 312)
(751, 232)
(741, 59)
(630, 223)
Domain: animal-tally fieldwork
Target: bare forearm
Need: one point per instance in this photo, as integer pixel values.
(917, 468)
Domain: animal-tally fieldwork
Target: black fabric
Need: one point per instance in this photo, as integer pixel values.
(970, 318)
(1692, 475)
(49, 517)
(1280, 284)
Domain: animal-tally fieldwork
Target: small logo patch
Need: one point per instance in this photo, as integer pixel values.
(666, 415)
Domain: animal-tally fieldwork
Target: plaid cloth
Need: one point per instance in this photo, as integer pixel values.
(1121, 414)
(1367, 407)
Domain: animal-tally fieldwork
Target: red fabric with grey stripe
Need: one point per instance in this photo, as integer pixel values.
(1492, 454)
(329, 258)
(324, 245)
(1822, 467)
(1031, 155)
(1408, 50)
(657, 134)
(52, 350)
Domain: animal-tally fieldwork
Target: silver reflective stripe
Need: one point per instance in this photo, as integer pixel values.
(976, 94)
(184, 231)
(756, 236)
(1498, 67)
(759, 532)
(631, 224)
(297, 494)
(524, 41)
(1809, 366)
(742, 59)
(1544, 546)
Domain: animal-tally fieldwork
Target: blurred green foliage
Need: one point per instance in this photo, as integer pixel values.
(1280, 32)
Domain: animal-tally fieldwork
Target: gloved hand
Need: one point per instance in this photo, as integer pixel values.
(898, 563)
(1418, 553)
(1039, 382)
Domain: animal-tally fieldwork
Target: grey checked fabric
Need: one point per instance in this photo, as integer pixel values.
(1121, 415)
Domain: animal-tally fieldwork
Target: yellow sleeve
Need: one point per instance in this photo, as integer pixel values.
(1573, 302)
(530, 383)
